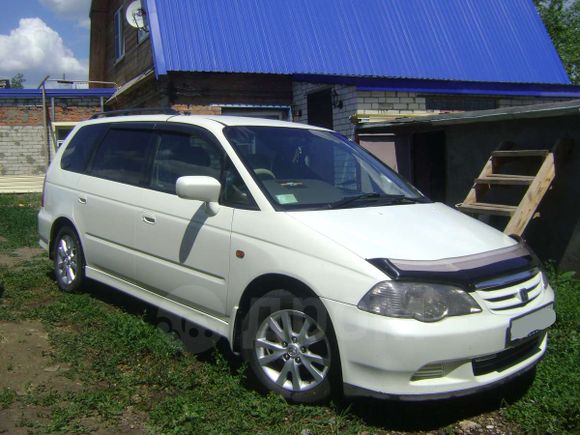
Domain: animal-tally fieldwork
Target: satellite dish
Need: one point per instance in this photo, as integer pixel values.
(135, 15)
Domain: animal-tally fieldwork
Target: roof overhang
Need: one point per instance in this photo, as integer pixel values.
(447, 86)
(548, 110)
(57, 93)
(132, 84)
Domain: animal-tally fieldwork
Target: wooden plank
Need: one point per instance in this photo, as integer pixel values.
(488, 208)
(520, 153)
(473, 195)
(508, 180)
(532, 198)
(21, 184)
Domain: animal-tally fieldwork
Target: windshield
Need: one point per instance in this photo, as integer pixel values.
(312, 169)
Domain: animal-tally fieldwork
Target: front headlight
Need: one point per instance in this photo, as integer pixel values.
(415, 300)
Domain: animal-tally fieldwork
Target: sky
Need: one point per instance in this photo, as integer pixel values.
(44, 37)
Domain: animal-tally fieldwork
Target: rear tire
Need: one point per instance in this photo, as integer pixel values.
(290, 347)
(69, 260)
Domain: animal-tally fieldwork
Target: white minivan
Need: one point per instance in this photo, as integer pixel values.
(319, 264)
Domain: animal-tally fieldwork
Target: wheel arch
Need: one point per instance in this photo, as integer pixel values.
(56, 226)
(258, 287)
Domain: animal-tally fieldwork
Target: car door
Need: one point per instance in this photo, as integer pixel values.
(109, 198)
(183, 247)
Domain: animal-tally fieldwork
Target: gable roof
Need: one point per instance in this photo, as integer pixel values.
(460, 40)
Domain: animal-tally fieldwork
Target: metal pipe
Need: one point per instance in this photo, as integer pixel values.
(44, 119)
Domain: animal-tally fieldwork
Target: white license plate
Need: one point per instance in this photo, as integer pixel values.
(530, 323)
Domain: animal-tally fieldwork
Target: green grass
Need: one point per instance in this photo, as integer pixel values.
(125, 366)
(7, 398)
(552, 404)
(18, 221)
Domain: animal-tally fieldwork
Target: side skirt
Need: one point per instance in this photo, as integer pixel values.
(200, 318)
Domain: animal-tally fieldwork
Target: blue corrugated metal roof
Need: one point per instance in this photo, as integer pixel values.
(464, 40)
(68, 93)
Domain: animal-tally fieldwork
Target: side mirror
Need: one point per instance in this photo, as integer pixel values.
(199, 188)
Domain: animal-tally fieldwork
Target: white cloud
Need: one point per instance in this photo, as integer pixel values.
(36, 50)
(68, 8)
(77, 10)
(84, 23)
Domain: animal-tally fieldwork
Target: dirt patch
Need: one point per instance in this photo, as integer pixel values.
(19, 256)
(8, 260)
(26, 359)
(3, 239)
(26, 365)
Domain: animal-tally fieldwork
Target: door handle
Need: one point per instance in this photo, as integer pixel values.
(149, 219)
(82, 200)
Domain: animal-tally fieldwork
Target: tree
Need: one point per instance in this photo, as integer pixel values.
(17, 82)
(562, 20)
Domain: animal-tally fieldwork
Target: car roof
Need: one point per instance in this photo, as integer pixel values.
(202, 119)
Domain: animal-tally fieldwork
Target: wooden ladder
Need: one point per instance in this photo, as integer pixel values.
(538, 185)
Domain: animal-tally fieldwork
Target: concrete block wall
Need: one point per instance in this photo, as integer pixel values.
(389, 103)
(23, 150)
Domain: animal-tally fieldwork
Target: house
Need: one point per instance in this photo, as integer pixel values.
(333, 63)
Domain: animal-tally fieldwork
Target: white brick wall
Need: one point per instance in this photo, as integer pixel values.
(381, 104)
(22, 151)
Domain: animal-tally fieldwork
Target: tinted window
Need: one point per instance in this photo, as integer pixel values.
(123, 156)
(78, 152)
(235, 193)
(300, 168)
(180, 154)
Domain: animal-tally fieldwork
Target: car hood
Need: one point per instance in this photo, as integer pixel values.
(430, 231)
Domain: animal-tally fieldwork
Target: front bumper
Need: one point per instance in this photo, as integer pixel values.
(411, 360)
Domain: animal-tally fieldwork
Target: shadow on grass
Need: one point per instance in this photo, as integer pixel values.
(196, 340)
(435, 414)
(382, 414)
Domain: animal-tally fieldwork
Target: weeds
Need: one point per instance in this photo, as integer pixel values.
(127, 369)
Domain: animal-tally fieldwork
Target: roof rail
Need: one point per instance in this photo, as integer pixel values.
(141, 111)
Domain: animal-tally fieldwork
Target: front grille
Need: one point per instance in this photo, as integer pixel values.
(511, 292)
(507, 358)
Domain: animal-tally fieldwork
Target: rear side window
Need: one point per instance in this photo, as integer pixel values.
(123, 156)
(78, 152)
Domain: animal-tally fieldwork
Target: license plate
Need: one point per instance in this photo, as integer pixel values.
(530, 323)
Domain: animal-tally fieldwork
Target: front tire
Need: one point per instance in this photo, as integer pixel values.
(69, 260)
(290, 347)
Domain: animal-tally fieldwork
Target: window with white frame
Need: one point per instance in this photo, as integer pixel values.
(119, 34)
(61, 130)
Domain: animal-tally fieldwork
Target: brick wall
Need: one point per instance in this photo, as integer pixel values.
(23, 149)
(389, 103)
(369, 105)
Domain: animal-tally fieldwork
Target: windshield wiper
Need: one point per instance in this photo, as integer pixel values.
(391, 199)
